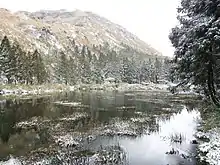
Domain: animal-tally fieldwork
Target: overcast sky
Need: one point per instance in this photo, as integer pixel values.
(150, 20)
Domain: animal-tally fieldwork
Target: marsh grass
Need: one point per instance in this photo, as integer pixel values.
(211, 117)
(177, 138)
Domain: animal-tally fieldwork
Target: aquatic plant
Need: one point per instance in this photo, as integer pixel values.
(177, 138)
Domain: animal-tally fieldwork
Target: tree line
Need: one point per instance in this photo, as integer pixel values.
(82, 65)
(87, 67)
(18, 66)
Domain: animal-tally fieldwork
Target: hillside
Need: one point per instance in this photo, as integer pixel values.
(59, 35)
(59, 28)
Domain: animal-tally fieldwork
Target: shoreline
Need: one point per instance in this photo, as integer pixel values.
(22, 90)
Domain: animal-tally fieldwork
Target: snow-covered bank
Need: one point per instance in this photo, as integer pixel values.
(210, 149)
(33, 89)
(136, 87)
(11, 161)
(122, 87)
(51, 88)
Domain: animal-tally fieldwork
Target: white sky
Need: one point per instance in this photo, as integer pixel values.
(150, 20)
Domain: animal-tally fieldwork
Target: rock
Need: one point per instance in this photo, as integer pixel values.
(183, 156)
(195, 142)
(172, 152)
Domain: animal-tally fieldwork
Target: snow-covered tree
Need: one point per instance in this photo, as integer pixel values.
(17, 62)
(39, 70)
(62, 70)
(73, 71)
(127, 71)
(85, 69)
(197, 41)
(5, 59)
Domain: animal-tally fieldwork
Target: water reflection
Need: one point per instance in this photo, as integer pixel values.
(154, 117)
(151, 149)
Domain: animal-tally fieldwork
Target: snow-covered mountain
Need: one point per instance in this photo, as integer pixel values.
(51, 31)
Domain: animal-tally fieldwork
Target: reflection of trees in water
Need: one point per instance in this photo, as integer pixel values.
(13, 111)
(18, 140)
(191, 106)
(101, 107)
(7, 120)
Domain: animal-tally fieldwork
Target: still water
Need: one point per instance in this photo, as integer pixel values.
(132, 128)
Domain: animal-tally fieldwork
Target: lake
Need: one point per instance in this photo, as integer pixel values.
(121, 128)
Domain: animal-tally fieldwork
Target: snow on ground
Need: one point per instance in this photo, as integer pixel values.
(11, 161)
(126, 87)
(31, 123)
(120, 128)
(150, 86)
(66, 140)
(33, 90)
(74, 117)
(107, 86)
(212, 148)
(71, 104)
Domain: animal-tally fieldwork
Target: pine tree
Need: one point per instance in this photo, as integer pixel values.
(62, 70)
(39, 70)
(29, 67)
(167, 65)
(5, 55)
(196, 41)
(85, 70)
(17, 61)
(96, 72)
(127, 71)
(142, 72)
(22, 67)
(151, 70)
(73, 70)
(157, 66)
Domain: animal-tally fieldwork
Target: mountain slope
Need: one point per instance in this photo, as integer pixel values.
(73, 47)
(57, 29)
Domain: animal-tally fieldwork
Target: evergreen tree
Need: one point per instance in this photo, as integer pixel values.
(157, 72)
(29, 68)
(96, 75)
(142, 72)
(85, 70)
(63, 69)
(73, 70)
(127, 72)
(167, 65)
(148, 70)
(112, 68)
(39, 70)
(101, 64)
(17, 62)
(5, 59)
(196, 41)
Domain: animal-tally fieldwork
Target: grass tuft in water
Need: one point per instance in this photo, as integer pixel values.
(177, 138)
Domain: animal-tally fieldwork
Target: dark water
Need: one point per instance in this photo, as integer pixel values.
(151, 128)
